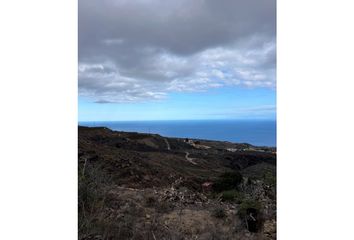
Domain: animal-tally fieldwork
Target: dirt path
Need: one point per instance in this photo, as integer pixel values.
(191, 160)
(168, 144)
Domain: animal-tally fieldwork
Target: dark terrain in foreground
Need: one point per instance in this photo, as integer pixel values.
(145, 186)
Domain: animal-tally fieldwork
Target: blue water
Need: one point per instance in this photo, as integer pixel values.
(256, 132)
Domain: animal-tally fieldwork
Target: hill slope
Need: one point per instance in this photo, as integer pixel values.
(145, 186)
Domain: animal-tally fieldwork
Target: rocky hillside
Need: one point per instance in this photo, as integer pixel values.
(145, 186)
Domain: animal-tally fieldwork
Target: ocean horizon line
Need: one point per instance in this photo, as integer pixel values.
(255, 132)
(176, 120)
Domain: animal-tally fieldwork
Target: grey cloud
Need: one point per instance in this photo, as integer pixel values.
(143, 49)
(102, 101)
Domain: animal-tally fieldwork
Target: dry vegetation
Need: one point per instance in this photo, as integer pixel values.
(132, 187)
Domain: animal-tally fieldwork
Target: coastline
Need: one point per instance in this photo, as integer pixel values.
(254, 132)
(179, 138)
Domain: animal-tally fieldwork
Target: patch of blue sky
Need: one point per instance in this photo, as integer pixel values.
(218, 103)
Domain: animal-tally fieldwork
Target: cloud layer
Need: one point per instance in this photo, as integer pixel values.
(141, 50)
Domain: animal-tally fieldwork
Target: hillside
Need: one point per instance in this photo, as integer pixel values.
(145, 186)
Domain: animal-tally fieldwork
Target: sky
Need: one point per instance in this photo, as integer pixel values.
(177, 59)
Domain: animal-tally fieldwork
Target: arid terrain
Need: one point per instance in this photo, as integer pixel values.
(146, 186)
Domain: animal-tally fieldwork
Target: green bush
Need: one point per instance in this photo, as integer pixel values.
(91, 199)
(227, 181)
(246, 205)
(232, 196)
(251, 212)
(270, 178)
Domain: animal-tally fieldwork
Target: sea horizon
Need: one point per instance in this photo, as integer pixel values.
(258, 132)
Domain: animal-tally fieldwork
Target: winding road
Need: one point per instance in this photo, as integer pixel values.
(167, 144)
(191, 160)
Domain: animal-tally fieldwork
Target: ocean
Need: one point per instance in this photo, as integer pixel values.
(255, 132)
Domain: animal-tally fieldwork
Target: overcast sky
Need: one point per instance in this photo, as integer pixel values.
(133, 53)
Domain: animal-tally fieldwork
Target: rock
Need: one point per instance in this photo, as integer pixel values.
(269, 227)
